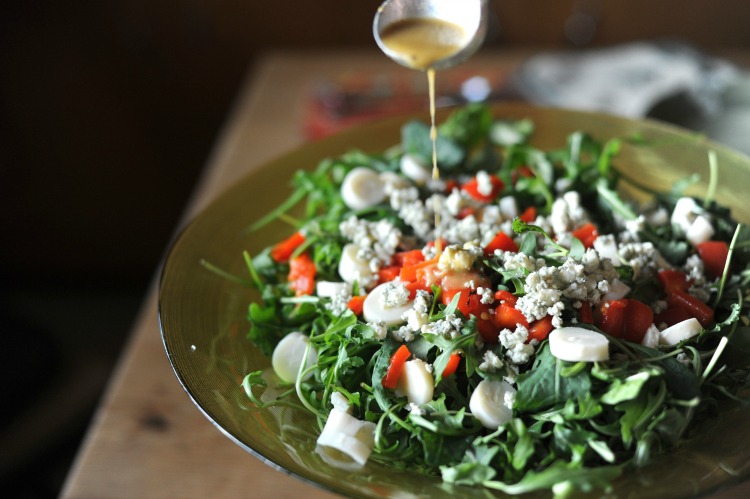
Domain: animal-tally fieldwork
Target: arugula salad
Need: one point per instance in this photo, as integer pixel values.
(515, 324)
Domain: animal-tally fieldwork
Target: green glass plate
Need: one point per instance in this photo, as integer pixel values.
(203, 316)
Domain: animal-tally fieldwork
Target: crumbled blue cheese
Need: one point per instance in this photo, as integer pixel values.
(643, 257)
(491, 215)
(395, 294)
(419, 315)
(460, 231)
(695, 271)
(517, 350)
(339, 302)
(419, 217)
(399, 197)
(515, 261)
(588, 280)
(490, 362)
(376, 240)
(487, 296)
(404, 333)
(567, 213)
(455, 202)
(449, 327)
(633, 228)
(379, 328)
(484, 183)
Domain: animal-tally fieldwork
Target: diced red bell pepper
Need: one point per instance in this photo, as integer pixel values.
(638, 318)
(528, 215)
(507, 296)
(396, 367)
(714, 255)
(409, 273)
(450, 185)
(302, 274)
(283, 250)
(472, 189)
(414, 286)
(508, 316)
(463, 301)
(450, 368)
(386, 274)
(408, 258)
(501, 241)
(539, 330)
(356, 303)
(587, 234)
(611, 317)
(585, 314)
(673, 280)
(625, 318)
(693, 306)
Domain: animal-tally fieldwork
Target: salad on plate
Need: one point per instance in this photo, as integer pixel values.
(516, 324)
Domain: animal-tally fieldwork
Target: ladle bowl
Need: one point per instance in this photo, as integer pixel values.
(470, 15)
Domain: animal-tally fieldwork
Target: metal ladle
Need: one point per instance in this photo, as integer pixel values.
(470, 15)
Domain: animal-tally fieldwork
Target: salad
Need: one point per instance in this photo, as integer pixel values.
(515, 324)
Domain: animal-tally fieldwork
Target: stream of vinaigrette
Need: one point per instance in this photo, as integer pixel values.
(422, 42)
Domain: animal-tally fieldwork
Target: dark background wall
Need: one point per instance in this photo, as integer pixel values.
(108, 111)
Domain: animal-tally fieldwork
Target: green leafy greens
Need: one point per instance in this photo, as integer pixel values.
(575, 426)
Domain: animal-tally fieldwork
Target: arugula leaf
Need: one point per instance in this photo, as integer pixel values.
(468, 126)
(415, 139)
(542, 387)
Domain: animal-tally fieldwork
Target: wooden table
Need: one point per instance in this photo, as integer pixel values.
(147, 438)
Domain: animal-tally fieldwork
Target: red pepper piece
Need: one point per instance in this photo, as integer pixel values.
(585, 314)
(539, 330)
(693, 306)
(356, 303)
(302, 274)
(501, 241)
(587, 234)
(507, 296)
(472, 189)
(408, 258)
(611, 318)
(463, 302)
(396, 367)
(714, 255)
(638, 318)
(507, 316)
(386, 274)
(450, 368)
(528, 215)
(673, 280)
(283, 250)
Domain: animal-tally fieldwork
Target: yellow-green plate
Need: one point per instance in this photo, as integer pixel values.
(203, 316)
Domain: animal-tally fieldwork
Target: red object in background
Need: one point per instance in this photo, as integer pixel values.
(357, 97)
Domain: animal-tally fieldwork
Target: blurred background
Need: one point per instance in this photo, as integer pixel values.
(108, 111)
